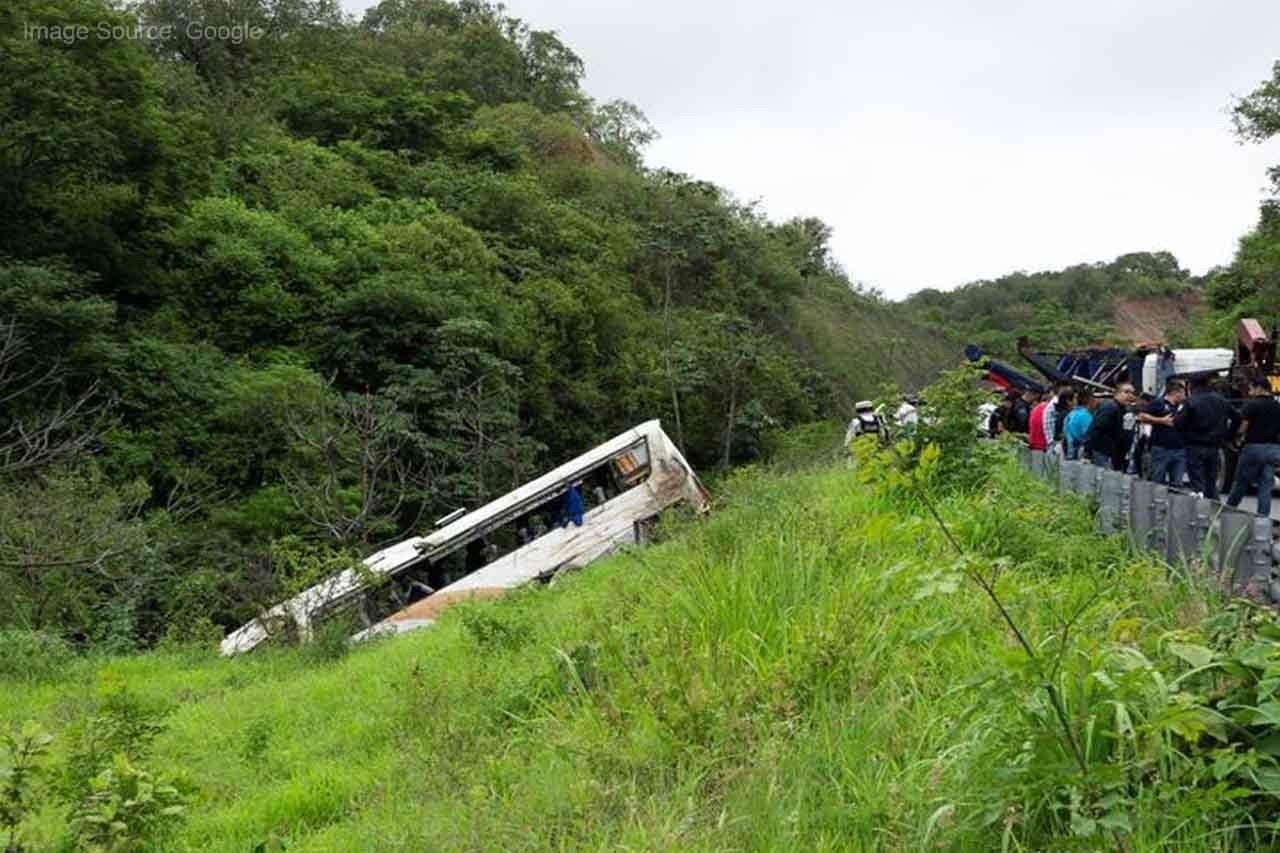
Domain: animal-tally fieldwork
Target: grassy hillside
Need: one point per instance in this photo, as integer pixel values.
(859, 344)
(802, 670)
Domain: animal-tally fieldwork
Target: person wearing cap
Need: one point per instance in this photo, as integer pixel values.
(865, 422)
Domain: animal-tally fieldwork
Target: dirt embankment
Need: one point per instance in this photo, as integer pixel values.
(430, 607)
(1152, 319)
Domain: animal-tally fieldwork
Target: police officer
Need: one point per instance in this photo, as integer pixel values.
(865, 422)
(1206, 422)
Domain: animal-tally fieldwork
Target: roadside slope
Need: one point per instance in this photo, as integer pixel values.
(859, 344)
(790, 673)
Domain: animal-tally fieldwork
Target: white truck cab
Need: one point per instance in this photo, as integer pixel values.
(1183, 362)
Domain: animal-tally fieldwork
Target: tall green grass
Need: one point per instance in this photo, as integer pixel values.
(799, 671)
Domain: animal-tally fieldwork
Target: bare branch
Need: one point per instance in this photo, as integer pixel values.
(350, 443)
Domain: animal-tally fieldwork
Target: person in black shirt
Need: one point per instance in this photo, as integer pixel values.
(1020, 411)
(1107, 442)
(1205, 422)
(1260, 426)
(1168, 455)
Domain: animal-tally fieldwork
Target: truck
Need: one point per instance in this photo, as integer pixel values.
(1148, 368)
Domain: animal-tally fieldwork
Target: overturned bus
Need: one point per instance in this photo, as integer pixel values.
(564, 519)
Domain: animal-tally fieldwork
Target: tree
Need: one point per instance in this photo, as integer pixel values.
(807, 241)
(352, 469)
(44, 435)
(1256, 116)
(68, 546)
(76, 129)
(622, 130)
(231, 43)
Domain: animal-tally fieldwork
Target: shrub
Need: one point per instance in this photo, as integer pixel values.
(124, 724)
(124, 809)
(19, 776)
(32, 655)
(330, 640)
(493, 627)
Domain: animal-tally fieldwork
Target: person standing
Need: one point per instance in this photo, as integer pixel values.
(1020, 411)
(1168, 453)
(1055, 415)
(1205, 421)
(1107, 443)
(1260, 426)
(1076, 425)
(1035, 426)
(907, 416)
(865, 422)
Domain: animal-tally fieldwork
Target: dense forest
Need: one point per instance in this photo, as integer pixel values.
(272, 295)
(1078, 306)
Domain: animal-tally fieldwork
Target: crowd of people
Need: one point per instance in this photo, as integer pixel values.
(1185, 430)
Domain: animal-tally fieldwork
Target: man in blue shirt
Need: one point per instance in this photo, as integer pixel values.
(1168, 453)
(1076, 426)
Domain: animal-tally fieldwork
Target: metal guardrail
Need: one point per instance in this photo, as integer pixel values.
(1182, 528)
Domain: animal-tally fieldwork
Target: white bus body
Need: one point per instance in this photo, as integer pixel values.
(656, 475)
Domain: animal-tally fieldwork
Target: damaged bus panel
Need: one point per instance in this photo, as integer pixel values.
(564, 519)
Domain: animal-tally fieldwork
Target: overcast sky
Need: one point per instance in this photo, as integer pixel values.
(948, 141)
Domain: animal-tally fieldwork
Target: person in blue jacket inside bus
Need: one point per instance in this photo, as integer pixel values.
(572, 511)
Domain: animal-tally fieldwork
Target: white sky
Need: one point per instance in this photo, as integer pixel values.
(944, 140)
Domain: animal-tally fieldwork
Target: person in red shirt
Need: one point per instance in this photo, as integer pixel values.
(1035, 428)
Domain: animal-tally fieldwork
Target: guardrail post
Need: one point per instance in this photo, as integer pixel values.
(1235, 546)
(1206, 516)
(1112, 506)
(1091, 482)
(1037, 463)
(1068, 476)
(1257, 568)
(1160, 519)
(1142, 511)
(1182, 537)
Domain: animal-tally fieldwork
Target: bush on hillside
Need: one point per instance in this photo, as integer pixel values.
(32, 655)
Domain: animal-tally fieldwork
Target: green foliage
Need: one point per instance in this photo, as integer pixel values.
(69, 547)
(492, 630)
(126, 809)
(746, 684)
(25, 750)
(1250, 285)
(1073, 307)
(34, 655)
(224, 242)
(123, 724)
(331, 641)
(943, 451)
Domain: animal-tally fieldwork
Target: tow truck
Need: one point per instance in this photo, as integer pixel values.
(1148, 368)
